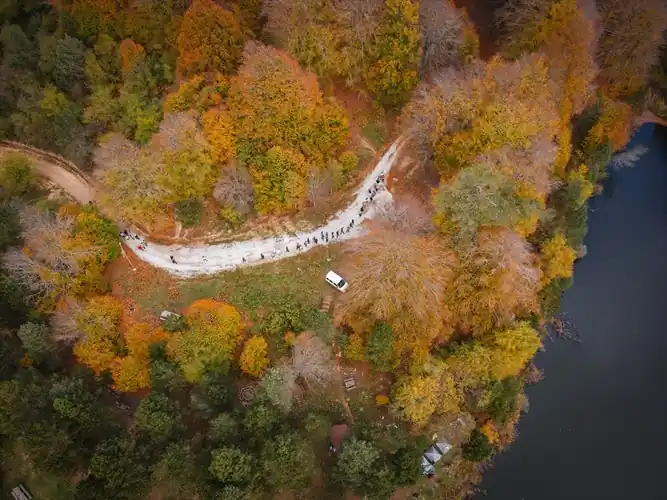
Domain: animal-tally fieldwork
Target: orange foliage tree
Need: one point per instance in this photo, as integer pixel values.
(282, 126)
(211, 39)
(215, 333)
(273, 102)
(131, 54)
(254, 358)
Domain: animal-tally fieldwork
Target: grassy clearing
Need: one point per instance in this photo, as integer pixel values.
(255, 291)
(376, 132)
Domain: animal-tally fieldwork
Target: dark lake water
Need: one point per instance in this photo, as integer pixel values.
(597, 425)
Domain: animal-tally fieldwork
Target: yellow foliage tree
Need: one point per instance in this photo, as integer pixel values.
(219, 133)
(131, 373)
(613, 125)
(215, 333)
(481, 109)
(279, 180)
(496, 356)
(511, 349)
(418, 397)
(254, 358)
(557, 258)
(394, 73)
(186, 95)
(98, 322)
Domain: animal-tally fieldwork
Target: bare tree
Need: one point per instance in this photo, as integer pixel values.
(408, 216)
(628, 158)
(320, 187)
(533, 165)
(234, 189)
(176, 129)
(632, 34)
(45, 235)
(29, 272)
(64, 322)
(399, 278)
(442, 27)
(311, 359)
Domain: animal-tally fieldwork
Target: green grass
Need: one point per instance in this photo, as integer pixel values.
(259, 290)
(375, 131)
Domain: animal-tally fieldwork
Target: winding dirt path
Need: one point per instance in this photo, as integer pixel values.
(197, 259)
(56, 169)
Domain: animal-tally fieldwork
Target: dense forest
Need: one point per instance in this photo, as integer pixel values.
(235, 115)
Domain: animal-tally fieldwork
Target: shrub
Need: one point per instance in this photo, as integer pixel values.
(188, 212)
(230, 216)
(477, 448)
(379, 351)
(502, 404)
(175, 323)
(16, 175)
(230, 465)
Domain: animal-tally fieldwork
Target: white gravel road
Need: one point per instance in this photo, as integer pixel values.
(209, 259)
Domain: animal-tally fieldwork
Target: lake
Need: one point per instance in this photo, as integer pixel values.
(597, 424)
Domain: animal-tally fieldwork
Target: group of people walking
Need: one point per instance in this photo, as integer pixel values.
(324, 236)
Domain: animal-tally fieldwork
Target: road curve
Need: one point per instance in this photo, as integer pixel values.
(193, 260)
(208, 259)
(56, 169)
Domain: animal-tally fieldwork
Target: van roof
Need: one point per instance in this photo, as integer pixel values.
(333, 276)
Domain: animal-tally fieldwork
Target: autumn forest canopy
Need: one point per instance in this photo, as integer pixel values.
(238, 119)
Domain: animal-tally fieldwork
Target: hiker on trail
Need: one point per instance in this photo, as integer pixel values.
(204, 258)
(140, 247)
(322, 234)
(244, 261)
(287, 249)
(261, 255)
(315, 239)
(171, 257)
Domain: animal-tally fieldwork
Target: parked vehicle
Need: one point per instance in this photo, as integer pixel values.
(336, 281)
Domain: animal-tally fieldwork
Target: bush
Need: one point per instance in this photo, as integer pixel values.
(188, 212)
(230, 465)
(504, 394)
(478, 448)
(175, 324)
(16, 175)
(406, 462)
(10, 225)
(379, 351)
(230, 216)
(551, 294)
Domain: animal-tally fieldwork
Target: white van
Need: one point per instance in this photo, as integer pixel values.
(336, 281)
(167, 314)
